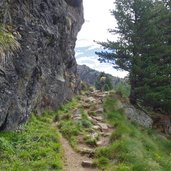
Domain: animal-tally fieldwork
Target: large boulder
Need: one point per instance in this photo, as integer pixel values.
(42, 74)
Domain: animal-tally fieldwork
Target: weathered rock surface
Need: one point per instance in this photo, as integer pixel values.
(137, 116)
(43, 73)
(90, 76)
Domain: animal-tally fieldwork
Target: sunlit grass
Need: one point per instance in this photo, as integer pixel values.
(35, 148)
(132, 147)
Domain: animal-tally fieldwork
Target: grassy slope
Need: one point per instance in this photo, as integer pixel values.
(35, 148)
(132, 148)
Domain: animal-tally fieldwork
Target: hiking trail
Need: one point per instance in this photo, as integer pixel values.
(81, 158)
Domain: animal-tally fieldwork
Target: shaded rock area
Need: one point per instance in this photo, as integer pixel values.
(42, 74)
(90, 76)
(162, 123)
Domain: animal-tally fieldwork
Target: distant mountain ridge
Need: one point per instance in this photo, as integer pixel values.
(90, 76)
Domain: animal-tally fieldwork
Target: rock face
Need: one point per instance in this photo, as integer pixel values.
(42, 74)
(90, 76)
(137, 116)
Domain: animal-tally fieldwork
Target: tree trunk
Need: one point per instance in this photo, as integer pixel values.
(132, 97)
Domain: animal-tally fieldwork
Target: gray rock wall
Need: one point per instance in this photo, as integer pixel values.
(42, 74)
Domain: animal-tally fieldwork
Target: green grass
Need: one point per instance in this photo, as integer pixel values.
(35, 148)
(123, 89)
(69, 127)
(132, 148)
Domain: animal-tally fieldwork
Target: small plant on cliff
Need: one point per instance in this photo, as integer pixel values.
(8, 42)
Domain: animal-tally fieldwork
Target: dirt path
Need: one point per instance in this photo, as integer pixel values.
(73, 160)
(98, 133)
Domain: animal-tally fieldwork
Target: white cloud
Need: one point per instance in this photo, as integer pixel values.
(78, 53)
(93, 63)
(97, 22)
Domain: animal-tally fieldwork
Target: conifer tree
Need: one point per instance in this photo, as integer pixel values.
(132, 17)
(155, 89)
(143, 49)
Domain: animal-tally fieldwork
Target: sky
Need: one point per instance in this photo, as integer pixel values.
(97, 22)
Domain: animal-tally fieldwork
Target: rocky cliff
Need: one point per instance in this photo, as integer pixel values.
(42, 74)
(90, 76)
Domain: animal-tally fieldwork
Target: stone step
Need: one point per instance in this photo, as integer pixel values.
(86, 105)
(94, 121)
(90, 99)
(99, 95)
(103, 142)
(98, 118)
(105, 134)
(96, 127)
(100, 110)
(87, 151)
(76, 118)
(99, 143)
(110, 126)
(103, 126)
(88, 164)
